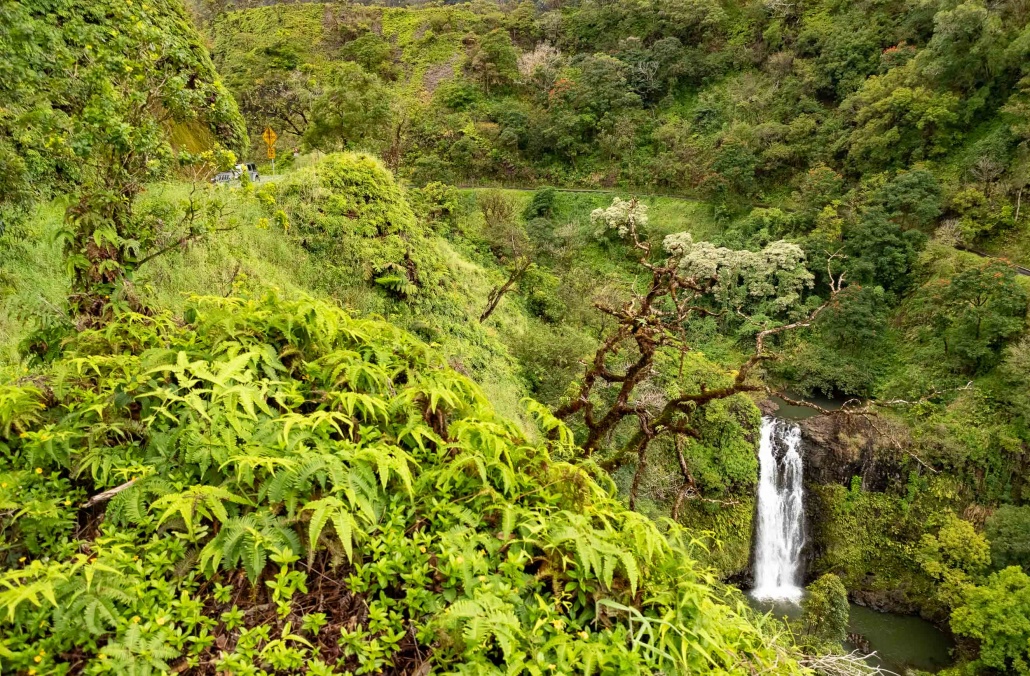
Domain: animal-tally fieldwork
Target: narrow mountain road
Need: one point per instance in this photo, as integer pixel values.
(1019, 268)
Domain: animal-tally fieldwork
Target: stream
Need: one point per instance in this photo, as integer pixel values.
(901, 642)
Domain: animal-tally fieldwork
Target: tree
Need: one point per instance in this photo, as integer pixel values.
(600, 86)
(652, 322)
(966, 49)
(1008, 529)
(955, 557)
(898, 119)
(734, 169)
(583, 101)
(997, 614)
(652, 71)
(1015, 373)
(353, 110)
(522, 24)
(372, 52)
(977, 311)
(978, 215)
(124, 89)
(856, 318)
(493, 59)
(755, 285)
(817, 188)
(509, 243)
(824, 614)
(911, 198)
(880, 251)
(282, 100)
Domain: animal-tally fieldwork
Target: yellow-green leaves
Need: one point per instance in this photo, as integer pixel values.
(19, 408)
(197, 502)
(31, 584)
(331, 509)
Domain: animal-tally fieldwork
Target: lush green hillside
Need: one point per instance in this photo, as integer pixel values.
(85, 78)
(166, 464)
(358, 420)
(878, 137)
(736, 101)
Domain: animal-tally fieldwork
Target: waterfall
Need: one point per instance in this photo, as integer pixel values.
(780, 530)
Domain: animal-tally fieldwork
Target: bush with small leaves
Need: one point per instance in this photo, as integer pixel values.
(824, 614)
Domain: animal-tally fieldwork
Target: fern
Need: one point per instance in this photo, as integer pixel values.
(398, 283)
(483, 618)
(326, 510)
(248, 541)
(197, 501)
(33, 584)
(272, 428)
(550, 424)
(20, 409)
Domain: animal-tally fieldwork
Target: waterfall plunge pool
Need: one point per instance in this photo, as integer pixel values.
(901, 642)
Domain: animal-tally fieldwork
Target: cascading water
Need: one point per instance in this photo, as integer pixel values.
(780, 531)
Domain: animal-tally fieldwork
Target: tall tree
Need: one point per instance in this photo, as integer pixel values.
(681, 285)
(354, 109)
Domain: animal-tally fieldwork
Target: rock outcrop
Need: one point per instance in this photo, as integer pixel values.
(837, 448)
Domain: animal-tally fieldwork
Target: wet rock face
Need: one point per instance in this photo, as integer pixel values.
(836, 448)
(840, 447)
(832, 454)
(893, 601)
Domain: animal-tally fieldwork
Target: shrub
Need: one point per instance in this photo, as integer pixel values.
(348, 210)
(998, 615)
(541, 205)
(825, 610)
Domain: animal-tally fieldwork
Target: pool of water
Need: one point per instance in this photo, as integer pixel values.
(901, 642)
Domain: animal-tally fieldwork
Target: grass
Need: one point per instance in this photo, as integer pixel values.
(32, 278)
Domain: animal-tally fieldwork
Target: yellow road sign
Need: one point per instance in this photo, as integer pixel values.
(270, 137)
(271, 152)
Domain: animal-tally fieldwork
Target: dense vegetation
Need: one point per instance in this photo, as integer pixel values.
(888, 134)
(527, 445)
(734, 102)
(261, 432)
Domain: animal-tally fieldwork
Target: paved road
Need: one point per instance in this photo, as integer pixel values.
(1019, 268)
(596, 191)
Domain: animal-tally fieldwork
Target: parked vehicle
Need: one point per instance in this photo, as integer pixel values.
(236, 173)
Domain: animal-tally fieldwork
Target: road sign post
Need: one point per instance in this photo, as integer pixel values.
(270, 138)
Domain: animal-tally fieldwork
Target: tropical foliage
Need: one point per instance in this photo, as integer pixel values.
(289, 485)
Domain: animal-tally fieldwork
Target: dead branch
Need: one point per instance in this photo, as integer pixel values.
(647, 323)
(854, 663)
(108, 494)
(518, 271)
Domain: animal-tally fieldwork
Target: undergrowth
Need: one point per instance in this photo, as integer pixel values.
(290, 486)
